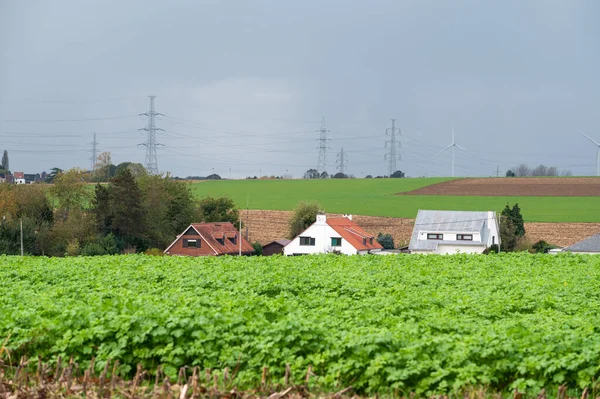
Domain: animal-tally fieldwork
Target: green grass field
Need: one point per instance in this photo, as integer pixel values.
(375, 197)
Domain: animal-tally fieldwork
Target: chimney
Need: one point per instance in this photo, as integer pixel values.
(321, 218)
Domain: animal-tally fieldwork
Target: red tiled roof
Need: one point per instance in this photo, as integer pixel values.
(19, 175)
(222, 230)
(353, 234)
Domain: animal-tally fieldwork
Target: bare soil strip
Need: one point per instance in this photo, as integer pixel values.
(267, 226)
(505, 187)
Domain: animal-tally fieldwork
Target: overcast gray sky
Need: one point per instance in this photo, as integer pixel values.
(244, 84)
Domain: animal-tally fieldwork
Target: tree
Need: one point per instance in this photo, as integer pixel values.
(368, 176)
(542, 247)
(311, 174)
(510, 173)
(339, 175)
(522, 171)
(218, 209)
(70, 192)
(170, 207)
(397, 174)
(214, 176)
(512, 227)
(304, 215)
(324, 175)
(385, 240)
(136, 169)
(508, 235)
(52, 175)
(5, 165)
(128, 215)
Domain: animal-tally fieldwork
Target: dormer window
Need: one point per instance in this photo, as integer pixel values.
(221, 240)
(435, 236)
(232, 239)
(464, 237)
(191, 243)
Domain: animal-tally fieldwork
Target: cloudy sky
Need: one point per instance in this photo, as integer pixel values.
(243, 85)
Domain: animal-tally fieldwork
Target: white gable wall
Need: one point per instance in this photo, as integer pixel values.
(322, 233)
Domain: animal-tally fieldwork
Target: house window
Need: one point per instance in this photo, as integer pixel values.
(336, 241)
(464, 237)
(232, 239)
(191, 243)
(435, 236)
(307, 241)
(221, 241)
(371, 240)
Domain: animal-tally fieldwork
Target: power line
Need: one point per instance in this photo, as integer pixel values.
(151, 158)
(391, 156)
(322, 163)
(70, 120)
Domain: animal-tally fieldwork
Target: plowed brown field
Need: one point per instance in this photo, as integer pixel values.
(504, 187)
(267, 226)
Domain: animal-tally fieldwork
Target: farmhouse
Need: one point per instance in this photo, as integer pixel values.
(19, 178)
(339, 234)
(448, 232)
(590, 245)
(209, 239)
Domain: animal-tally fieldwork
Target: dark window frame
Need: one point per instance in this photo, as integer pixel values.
(464, 237)
(304, 239)
(187, 241)
(435, 236)
(338, 240)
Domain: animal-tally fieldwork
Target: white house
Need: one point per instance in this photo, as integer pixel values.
(327, 235)
(450, 232)
(590, 245)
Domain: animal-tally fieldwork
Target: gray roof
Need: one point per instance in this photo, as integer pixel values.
(448, 222)
(590, 244)
(283, 242)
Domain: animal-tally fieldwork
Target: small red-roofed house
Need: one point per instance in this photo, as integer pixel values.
(209, 239)
(340, 235)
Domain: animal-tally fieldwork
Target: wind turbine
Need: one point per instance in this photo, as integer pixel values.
(454, 146)
(597, 153)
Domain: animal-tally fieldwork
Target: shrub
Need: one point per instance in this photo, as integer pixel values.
(153, 252)
(385, 240)
(258, 249)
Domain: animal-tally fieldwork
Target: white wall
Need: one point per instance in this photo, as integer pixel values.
(443, 249)
(322, 234)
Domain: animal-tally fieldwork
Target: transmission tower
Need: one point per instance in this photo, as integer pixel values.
(322, 164)
(341, 161)
(94, 157)
(151, 159)
(392, 157)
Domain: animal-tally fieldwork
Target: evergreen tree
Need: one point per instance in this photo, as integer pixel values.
(5, 165)
(128, 215)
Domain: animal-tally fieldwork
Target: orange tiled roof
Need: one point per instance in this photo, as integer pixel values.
(353, 234)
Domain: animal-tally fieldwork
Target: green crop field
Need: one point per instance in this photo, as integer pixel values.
(375, 197)
(381, 324)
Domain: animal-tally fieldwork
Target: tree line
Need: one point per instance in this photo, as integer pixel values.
(127, 214)
(524, 170)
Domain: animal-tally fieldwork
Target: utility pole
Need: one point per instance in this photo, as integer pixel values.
(150, 144)
(497, 170)
(341, 161)
(392, 157)
(94, 157)
(240, 236)
(322, 163)
(22, 252)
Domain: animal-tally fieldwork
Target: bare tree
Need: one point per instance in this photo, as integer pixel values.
(522, 170)
(552, 171)
(566, 173)
(539, 171)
